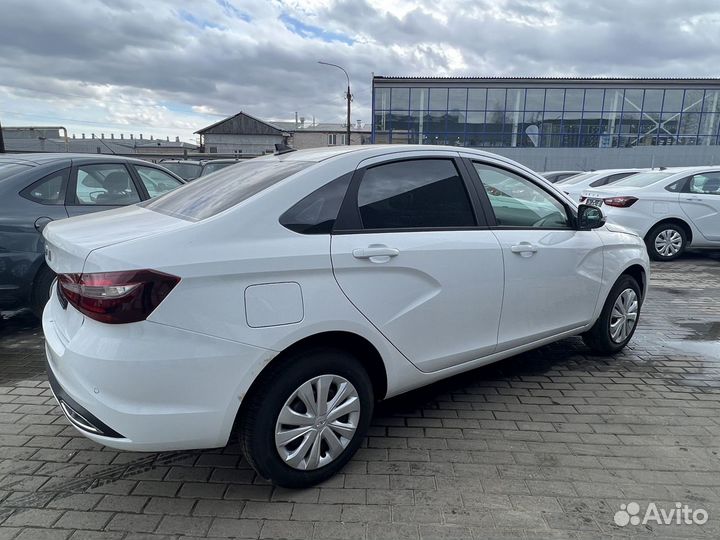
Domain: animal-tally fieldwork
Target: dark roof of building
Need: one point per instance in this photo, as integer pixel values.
(241, 122)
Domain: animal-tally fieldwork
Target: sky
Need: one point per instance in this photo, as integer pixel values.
(171, 67)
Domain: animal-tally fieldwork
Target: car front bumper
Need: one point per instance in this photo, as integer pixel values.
(146, 386)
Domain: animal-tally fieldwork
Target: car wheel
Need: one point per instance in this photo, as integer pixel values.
(41, 290)
(618, 319)
(306, 417)
(666, 242)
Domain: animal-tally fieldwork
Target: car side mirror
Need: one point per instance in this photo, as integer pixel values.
(589, 217)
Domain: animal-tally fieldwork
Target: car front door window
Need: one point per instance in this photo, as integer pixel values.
(517, 202)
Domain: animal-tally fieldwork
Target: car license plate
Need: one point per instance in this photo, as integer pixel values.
(595, 202)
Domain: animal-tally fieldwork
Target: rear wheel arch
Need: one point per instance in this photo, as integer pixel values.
(41, 283)
(675, 221)
(348, 342)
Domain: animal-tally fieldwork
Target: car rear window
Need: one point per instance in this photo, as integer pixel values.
(643, 179)
(212, 194)
(576, 179)
(11, 169)
(188, 171)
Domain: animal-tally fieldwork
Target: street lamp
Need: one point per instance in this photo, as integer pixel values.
(348, 96)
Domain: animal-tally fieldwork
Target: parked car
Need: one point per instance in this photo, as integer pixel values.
(671, 208)
(575, 185)
(287, 294)
(36, 189)
(556, 176)
(190, 170)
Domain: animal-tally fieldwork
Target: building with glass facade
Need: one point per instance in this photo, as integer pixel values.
(546, 112)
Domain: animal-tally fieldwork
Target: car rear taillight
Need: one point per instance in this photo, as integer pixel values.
(117, 297)
(620, 202)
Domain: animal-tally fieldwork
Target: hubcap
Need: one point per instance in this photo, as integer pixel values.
(668, 242)
(317, 422)
(624, 315)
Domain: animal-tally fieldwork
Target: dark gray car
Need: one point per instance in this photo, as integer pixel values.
(36, 189)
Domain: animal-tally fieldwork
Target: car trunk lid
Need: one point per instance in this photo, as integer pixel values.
(68, 242)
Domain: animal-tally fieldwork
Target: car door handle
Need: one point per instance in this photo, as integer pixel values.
(524, 249)
(375, 251)
(693, 199)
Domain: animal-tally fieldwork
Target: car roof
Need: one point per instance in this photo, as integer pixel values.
(45, 158)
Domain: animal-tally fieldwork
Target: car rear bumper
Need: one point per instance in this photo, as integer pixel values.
(146, 386)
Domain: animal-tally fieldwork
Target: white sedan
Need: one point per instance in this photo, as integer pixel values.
(670, 208)
(575, 185)
(287, 294)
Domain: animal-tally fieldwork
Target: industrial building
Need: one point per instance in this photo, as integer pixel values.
(244, 134)
(573, 122)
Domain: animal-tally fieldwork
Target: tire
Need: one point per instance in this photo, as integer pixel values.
(41, 290)
(292, 462)
(666, 241)
(600, 337)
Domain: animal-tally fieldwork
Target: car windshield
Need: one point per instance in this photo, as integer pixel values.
(577, 178)
(212, 167)
(643, 179)
(10, 169)
(188, 171)
(215, 193)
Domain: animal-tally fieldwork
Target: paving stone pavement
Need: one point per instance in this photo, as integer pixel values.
(547, 444)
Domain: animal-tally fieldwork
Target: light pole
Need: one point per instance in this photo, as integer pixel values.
(348, 96)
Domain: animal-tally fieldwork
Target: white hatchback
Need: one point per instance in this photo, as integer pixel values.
(670, 208)
(287, 294)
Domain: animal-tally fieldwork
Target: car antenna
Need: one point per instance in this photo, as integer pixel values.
(282, 148)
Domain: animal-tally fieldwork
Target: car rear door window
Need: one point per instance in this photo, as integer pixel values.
(518, 202)
(105, 185)
(610, 179)
(421, 193)
(48, 190)
(156, 182)
(705, 184)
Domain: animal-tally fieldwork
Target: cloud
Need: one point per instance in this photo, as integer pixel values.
(159, 68)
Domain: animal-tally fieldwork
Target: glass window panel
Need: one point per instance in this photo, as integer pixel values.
(689, 124)
(477, 99)
(382, 98)
(494, 120)
(669, 122)
(693, 100)
(381, 121)
(418, 98)
(535, 99)
(400, 98)
(456, 139)
(475, 121)
(105, 185)
(439, 98)
(400, 136)
(435, 121)
(156, 182)
(554, 98)
(633, 100)
(399, 120)
(382, 137)
(515, 99)
(673, 100)
(533, 117)
(457, 99)
(709, 123)
(574, 99)
(613, 99)
(653, 100)
(496, 99)
(594, 99)
(456, 121)
(712, 101)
